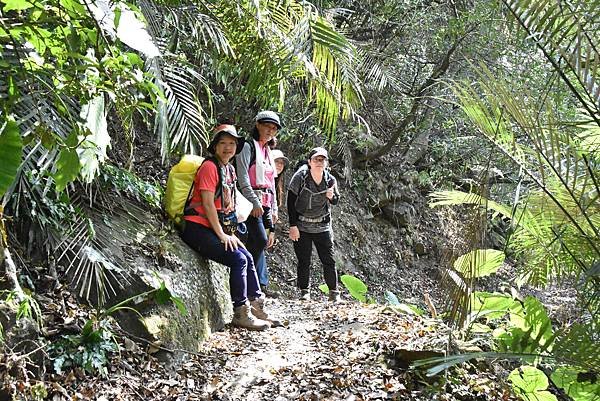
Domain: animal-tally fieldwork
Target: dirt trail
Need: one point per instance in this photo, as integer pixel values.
(329, 351)
(344, 351)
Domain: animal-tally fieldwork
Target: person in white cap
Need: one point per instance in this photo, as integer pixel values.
(210, 226)
(281, 163)
(311, 193)
(255, 167)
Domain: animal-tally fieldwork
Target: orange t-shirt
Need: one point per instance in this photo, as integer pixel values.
(207, 179)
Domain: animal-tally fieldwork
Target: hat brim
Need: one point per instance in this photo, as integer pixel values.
(213, 142)
(320, 154)
(269, 120)
(286, 161)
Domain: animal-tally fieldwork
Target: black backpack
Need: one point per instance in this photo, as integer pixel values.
(249, 141)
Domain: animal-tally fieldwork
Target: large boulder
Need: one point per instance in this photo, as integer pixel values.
(137, 251)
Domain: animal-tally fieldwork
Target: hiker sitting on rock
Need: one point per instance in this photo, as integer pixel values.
(311, 193)
(255, 169)
(210, 226)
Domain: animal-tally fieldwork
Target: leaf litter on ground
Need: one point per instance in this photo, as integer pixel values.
(341, 351)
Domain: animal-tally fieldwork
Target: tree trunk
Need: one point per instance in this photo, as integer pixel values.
(10, 269)
(418, 100)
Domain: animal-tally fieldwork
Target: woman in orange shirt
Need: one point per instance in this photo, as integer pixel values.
(210, 225)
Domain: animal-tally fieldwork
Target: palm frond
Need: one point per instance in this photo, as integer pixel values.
(542, 235)
(554, 161)
(565, 34)
(187, 123)
(579, 345)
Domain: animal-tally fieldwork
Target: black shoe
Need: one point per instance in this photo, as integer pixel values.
(304, 295)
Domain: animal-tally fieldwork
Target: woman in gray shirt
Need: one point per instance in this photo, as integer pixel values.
(311, 193)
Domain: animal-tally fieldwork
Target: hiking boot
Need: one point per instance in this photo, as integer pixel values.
(304, 295)
(269, 293)
(259, 311)
(243, 317)
(334, 296)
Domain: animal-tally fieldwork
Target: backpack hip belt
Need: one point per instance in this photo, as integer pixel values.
(260, 191)
(313, 220)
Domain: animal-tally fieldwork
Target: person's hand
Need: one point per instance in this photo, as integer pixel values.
(271, 239)
(231, 242)
(294, 233)
(329, 194)
(257, 212)
(275, 217)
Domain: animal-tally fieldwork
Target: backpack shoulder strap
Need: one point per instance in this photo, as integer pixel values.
(328, 178)
(218, 189)
(304, 171)
(252, 151)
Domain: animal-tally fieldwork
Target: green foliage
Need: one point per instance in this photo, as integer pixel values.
(67, 168)
(128, 183)
(479, 263)
(578, 345)
(38, 391)
(89, 350)
(26, 306)
(357, 289)
(531, 384)
(355, 286)
(490, 305)
(29, 308)
(578, 385)
(398, 306)
(529, 330)
(11, 149)
(257, 51)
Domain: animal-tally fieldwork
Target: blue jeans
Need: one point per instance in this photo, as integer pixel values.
(261, 270)
(257, 237)
(243, 282)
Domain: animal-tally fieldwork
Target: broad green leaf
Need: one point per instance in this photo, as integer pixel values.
(16, 5)
(179, 304)
(530, 384)
(12, 87)
(490, 305)
(324, 289)
(479, 263)
(577, 384)
(162, 295)
(536, 318)
(67, 168)
(355, 286)
(117, 18)
(74, 7)
(408, 309)
(530, 329)
(11, 149)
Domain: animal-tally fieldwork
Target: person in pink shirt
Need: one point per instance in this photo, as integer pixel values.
(255, 168)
